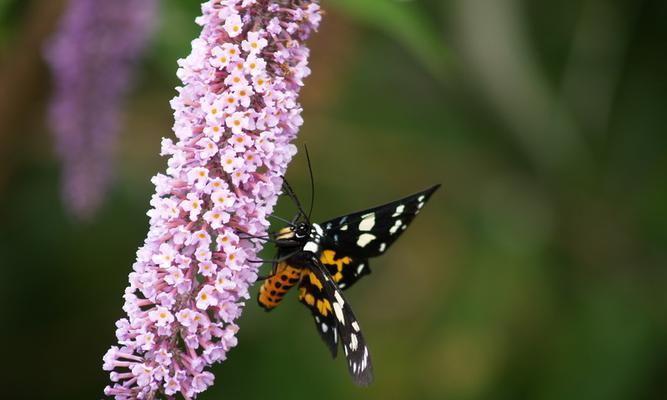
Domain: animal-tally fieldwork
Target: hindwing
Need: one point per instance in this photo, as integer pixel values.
(344, 270)
(313, 296)
(335, 321)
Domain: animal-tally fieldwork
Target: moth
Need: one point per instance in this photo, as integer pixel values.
(324, 259)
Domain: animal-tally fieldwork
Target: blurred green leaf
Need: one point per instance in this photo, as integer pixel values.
(408, 23)
(10, 13)
(175, 33)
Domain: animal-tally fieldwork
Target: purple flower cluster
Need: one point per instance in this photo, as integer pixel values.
(235, 117)
(92, 56)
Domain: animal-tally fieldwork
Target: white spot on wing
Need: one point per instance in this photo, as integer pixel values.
(364, 239)
(394, 228)
(343, 228)
(420, 205)
(355, 326)
(399, 210)
(360, 268)
(318, 229)
(353, 342)
(367, 222)
(325, 328)
(339, 298)
(382, 247)
(311, 247)
(421, 198)
(339, 313)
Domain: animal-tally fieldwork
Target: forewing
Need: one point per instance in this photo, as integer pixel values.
(371, 232)
(346, 324)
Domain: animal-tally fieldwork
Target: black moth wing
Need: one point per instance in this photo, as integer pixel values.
(371, 232)
(354, 344)
(313, 297)
(344, 270)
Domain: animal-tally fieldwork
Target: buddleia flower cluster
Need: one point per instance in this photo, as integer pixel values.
(235, 116)
(93, 56)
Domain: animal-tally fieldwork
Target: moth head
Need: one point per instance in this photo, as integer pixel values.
(293, 233)
(285, 233)
(302, 230)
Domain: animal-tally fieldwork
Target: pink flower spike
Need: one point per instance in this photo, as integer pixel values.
(223, 198)
(237, 122)
(206, 268)
(233, 25)
(230, 162)
(235, 116)
(220, 59)
(208, 148)
(192, 204)
(216, 218)
(206, 298)
(255, 42)
(161, 316)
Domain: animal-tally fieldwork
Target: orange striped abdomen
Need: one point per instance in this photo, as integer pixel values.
(274, 288)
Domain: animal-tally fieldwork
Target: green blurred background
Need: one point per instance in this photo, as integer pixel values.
(537, 272)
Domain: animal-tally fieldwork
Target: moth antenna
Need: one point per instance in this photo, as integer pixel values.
(281, 219)
(312, 183)
(292, 195)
